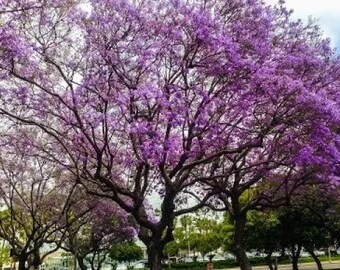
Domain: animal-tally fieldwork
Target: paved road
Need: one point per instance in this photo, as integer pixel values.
(302, 266)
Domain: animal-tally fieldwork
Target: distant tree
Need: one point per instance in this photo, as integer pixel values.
(185, 233)
(312, 219)
(227, 232)
(200, 234)
(91, 237)
(263, 232)
(293, 227)
(184, 239)
(4, 253)
(323, 203)
(208, 234)
(36, 200)
(126, 252)
(172, 248)
(299, 230)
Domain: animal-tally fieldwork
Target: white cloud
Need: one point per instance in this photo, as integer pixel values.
(326, 11)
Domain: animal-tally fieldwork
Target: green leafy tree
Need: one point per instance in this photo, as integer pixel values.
(301, 229)
(292, 227)
(324, 205)
(127, 252)
(227, 231)
(208, 232)
(184, 234)
(311, 220)
(263, 232)
(4, 253)
(200, 234)
(172, 248)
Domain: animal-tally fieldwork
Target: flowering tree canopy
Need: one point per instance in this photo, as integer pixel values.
(36, 207)
(91, 237)
(182, 98)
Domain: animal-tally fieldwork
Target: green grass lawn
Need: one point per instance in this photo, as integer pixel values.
(323, 258)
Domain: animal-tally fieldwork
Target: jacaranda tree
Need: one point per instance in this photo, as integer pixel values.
(91, 237)
(36, 207)
(180, 98)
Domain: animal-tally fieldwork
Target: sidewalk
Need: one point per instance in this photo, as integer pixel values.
(302, 266)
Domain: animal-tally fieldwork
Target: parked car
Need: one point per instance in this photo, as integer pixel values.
(186, 259)
(260, 254)
(276, 254)
(200, 258)
(140, 264)
(121, 266)
(229, 256)
(218, 257)
(250, 254)
(319, 252)
(173, 259)
(304, 254)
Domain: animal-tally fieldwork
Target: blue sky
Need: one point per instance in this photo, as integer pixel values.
(326, 11)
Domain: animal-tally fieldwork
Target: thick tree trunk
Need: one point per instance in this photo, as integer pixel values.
(269, 261)
(75, 263)
(295, 263)
(154, 250)
(271, 264)
(156, 237)
(81, 263)
(295, 257)
(282, 252)
(315, 258)
(22, 262)
(239, 249)
(36, 260)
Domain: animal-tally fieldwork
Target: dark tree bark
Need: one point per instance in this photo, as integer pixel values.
(22, 261)
(271, 264)
(81, 263)
(295, 256)
(239, 248)
(155, 254)
(36, 262)
(269, 261)
(315, 258)
(295, 263)
(97, 259)
(157, 236)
